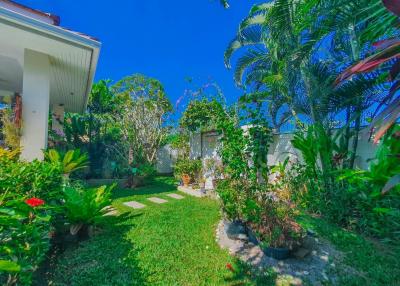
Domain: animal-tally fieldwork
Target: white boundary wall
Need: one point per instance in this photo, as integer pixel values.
(280, 149)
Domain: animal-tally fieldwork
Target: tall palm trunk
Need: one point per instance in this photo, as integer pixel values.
(355, 48)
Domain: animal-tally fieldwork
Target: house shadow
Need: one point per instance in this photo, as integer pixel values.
(107, 258)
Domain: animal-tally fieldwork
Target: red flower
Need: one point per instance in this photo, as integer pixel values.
(230, 267)
(34, 202)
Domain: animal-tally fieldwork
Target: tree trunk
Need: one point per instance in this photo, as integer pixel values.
(357, 128)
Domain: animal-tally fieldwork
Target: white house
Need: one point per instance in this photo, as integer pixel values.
(45, 66)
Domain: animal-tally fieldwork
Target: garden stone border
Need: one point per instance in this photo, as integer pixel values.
(313, 268)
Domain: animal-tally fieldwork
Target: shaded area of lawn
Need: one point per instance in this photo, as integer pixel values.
(368, 262)
(169, 244)
(174, 244)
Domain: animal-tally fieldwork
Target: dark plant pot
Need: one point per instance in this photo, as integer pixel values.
(277, 253)
(252, 237)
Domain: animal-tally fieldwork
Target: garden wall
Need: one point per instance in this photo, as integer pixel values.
(205, 146)
(166, 158)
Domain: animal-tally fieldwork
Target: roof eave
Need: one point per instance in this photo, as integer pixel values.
(62, 34)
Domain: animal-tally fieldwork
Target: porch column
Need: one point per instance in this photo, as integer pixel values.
(35, 105)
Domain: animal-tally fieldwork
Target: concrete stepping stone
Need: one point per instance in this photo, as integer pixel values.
(176, 196)
(135, 205)
(157, 200)
(112, 213)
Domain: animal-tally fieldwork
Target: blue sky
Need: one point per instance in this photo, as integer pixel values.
(168, 40)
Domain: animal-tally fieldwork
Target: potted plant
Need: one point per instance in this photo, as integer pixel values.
(187, 170)
(186, 179)
(275, 228)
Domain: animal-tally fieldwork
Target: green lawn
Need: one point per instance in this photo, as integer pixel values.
(174, 244)
(365, 262)
(169, 244)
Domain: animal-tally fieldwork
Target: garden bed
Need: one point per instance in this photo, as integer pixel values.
(316, 268)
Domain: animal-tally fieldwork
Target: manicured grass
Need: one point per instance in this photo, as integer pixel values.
(367, 262)
(174, 244)
(168, 244)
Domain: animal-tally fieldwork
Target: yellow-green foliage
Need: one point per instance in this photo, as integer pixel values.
(10, 155)
(11, 133)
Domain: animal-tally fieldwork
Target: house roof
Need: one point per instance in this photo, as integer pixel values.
(22, 9)
(73, 55)
(48, 18)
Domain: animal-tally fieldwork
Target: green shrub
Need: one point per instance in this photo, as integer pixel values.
(229, 196)
(187, 167)
(69, 162)
(83, 206)
(30, 179)
(24, 228)
(261, 208)
(357, 199)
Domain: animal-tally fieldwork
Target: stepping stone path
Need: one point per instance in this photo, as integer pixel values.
(135, 205)
(176, 196)
(157, 200)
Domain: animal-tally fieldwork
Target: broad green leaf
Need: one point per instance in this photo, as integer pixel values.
(9, 266)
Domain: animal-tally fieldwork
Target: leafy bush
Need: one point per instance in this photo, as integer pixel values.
(30, 179)
(24, 239)
(356, 199)
(262, 209)
(84, 206)
(145, 170)
(376, 210)
(25, 222)
(187, 167)
(69, 162)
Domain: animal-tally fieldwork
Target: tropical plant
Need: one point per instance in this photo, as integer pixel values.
(387, 51)
(96, 132)
(84, 206)
(24, 238)
(30, 196)
(71, 161)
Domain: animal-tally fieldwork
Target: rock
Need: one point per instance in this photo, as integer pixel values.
(309, 243)
(243, 237)
(310, 232)
(301, 253)
(235, 230)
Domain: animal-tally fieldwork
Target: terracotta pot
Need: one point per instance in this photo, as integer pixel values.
(186, 180)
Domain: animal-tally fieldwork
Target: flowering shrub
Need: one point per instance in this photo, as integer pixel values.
(30, 194)
(24, 239)
(34, 202)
